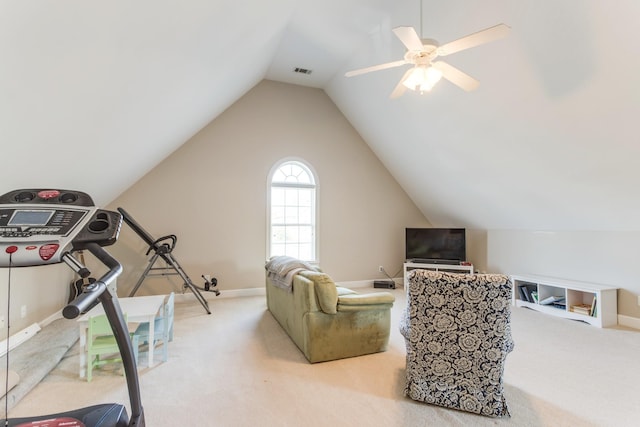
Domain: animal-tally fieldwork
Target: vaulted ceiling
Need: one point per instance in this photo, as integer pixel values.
(548, 141)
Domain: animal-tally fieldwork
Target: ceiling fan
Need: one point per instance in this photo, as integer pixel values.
(426, 72)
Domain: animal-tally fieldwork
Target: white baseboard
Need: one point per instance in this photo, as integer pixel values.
(253, 292)
(628, 321)
(54, 316)
(231, 293)
(17, 339)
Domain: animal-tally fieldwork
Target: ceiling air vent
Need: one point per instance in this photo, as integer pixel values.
(302, 70)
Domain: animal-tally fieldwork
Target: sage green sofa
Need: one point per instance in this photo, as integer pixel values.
(329, 322)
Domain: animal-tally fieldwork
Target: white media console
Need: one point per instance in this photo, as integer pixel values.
(450, 268)
(575, 294)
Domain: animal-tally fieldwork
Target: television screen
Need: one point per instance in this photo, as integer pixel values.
(436, 244)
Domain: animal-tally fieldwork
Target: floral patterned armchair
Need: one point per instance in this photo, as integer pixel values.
(457, 333)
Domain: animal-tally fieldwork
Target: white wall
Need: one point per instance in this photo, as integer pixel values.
(212, 192)
(477, 249)
(42, 290)
(606, 257)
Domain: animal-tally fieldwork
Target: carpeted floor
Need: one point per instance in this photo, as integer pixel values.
(237, 367)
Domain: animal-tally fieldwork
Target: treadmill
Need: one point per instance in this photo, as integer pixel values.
(46, 226)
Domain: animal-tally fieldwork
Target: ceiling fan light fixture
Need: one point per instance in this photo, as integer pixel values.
(422, 78)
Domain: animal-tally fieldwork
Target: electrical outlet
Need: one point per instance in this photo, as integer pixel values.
(381, 270)
(23, 311)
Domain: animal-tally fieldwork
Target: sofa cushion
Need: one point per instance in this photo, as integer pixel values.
(325, 289)
(344, 291)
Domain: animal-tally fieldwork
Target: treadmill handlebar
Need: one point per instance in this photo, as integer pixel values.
(86, 300)
(89, 297)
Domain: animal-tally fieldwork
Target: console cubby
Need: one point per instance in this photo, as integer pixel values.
(600, 299)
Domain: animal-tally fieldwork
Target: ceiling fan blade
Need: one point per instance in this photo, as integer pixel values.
(475, 39)
(375, 68)
(408, 37)
(398, 91)
(455, 76)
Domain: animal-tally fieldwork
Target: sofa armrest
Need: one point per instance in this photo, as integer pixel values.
(359, 302)
(324, 289)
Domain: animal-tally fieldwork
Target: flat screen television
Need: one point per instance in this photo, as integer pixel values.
(437, 245)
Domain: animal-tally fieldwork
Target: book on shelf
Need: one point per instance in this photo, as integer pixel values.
(553, 300)
(528, 293)
(592, 310)
(582, 309)
(524, 296)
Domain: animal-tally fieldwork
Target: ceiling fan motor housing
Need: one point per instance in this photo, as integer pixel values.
(424, 56)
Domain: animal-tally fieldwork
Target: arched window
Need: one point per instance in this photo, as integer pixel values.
(292, 211)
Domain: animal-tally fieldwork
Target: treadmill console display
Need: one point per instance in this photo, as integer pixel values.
(21, 217)
(34, 221)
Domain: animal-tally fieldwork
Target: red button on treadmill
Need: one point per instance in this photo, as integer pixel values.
(48, 194)
(47, 251)
(11, 249)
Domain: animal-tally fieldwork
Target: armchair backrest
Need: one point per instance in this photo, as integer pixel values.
(457, 333)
